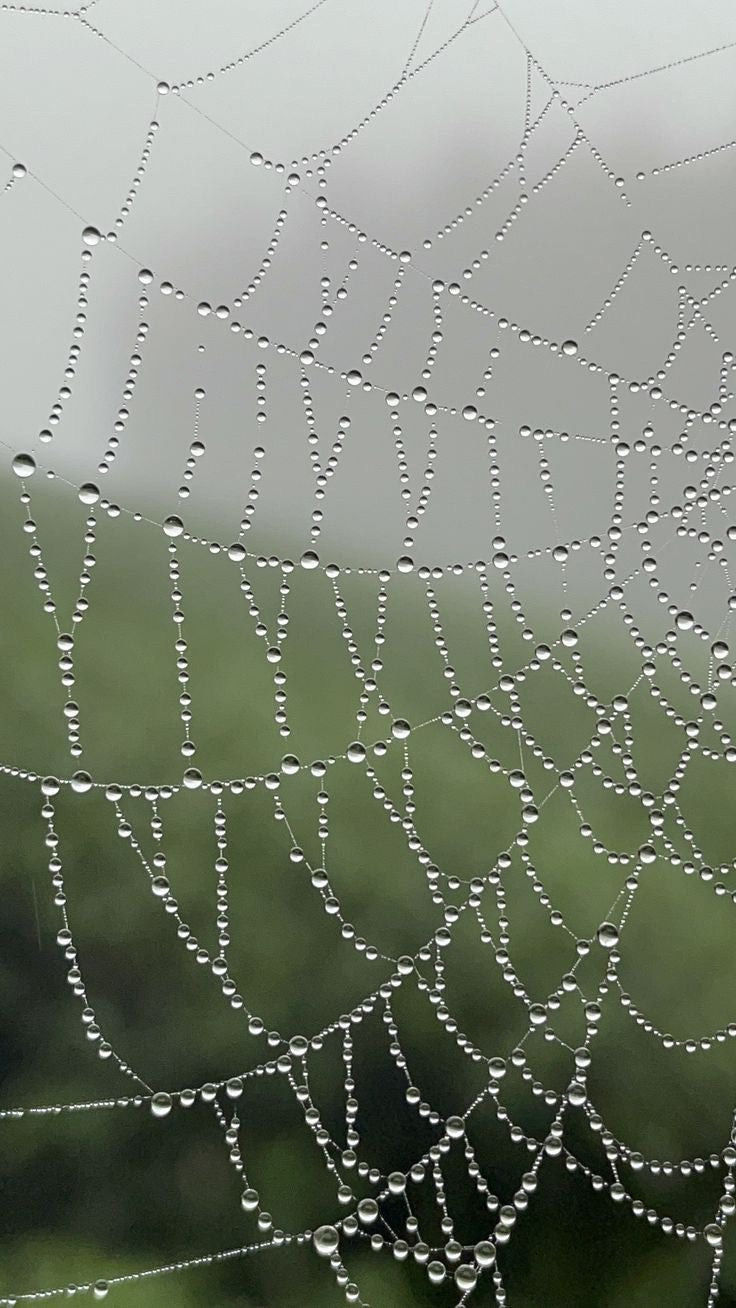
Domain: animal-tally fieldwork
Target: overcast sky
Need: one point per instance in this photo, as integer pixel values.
(77, 98)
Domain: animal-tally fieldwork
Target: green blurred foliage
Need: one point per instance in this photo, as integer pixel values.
(113, 1191)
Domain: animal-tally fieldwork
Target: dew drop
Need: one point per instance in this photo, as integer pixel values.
(485, 1253)
(24, 465)
(161, 1104)
(91, 236)
(368, 1211)
(607, 935)
(356, 752)
(713, 1234)
(569, 347)
(465, 1277)
(326, 1240)
(173, 526)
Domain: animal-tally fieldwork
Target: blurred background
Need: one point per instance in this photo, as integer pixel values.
(188, 333)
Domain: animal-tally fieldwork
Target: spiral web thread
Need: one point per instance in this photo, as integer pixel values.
(696, 513)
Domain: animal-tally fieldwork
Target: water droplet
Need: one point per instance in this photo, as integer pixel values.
(356, 752)
(368, 1211)
(684, 621)
(91, 236)
(89, 493)
(607, 935)
(161, 1104)
(400, 729)
(81, 782)
(455, 1128)
(24, 465)
(713, 1234)
(465, 1277)
(569, 347)
(485, 1253)
(326, 1240)
(173, 526)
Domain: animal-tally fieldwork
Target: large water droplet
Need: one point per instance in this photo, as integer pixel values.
(713, 1234)
(465, 1277)
(607, 935)
(326, 1240)
(173, 526)
(24, 465)
(161, 1104)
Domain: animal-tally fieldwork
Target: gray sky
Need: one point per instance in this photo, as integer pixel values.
(77, 96)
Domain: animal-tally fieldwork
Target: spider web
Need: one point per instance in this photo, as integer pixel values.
(512, 469)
